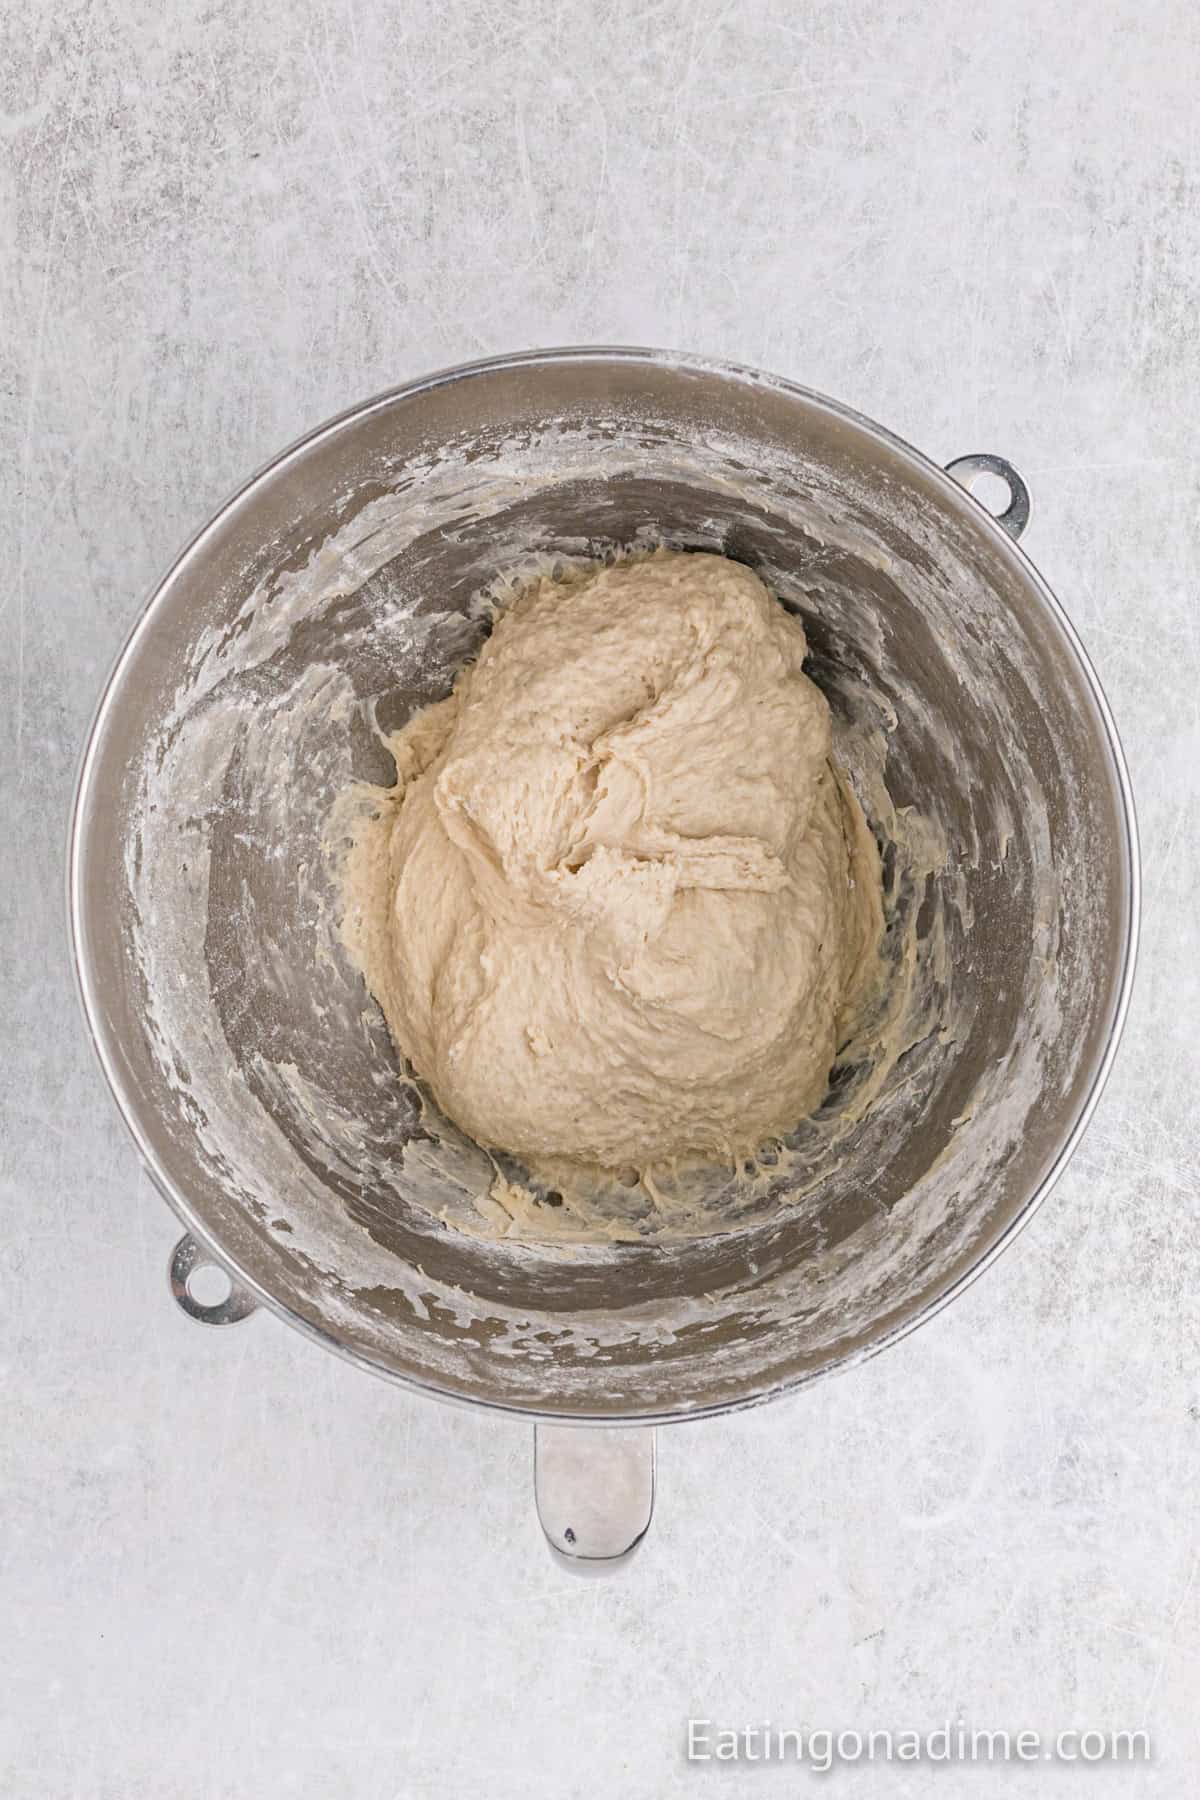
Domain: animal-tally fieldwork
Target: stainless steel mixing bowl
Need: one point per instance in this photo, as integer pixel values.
(337, 592)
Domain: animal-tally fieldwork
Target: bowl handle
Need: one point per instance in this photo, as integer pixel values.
(1015, 516)
(186, 1258)
(595, 1491)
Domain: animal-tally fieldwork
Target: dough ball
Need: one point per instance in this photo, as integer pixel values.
(621, 903)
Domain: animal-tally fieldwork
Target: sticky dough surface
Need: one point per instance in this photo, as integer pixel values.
(621, 905)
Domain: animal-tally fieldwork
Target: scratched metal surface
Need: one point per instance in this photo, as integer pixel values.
(234, 1566)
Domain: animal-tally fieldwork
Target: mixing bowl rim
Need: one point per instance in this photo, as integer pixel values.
(105, 1041)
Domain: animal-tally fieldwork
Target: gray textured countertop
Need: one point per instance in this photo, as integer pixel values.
(233, 1566)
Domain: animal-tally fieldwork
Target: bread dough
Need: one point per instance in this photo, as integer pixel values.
(621, 905)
